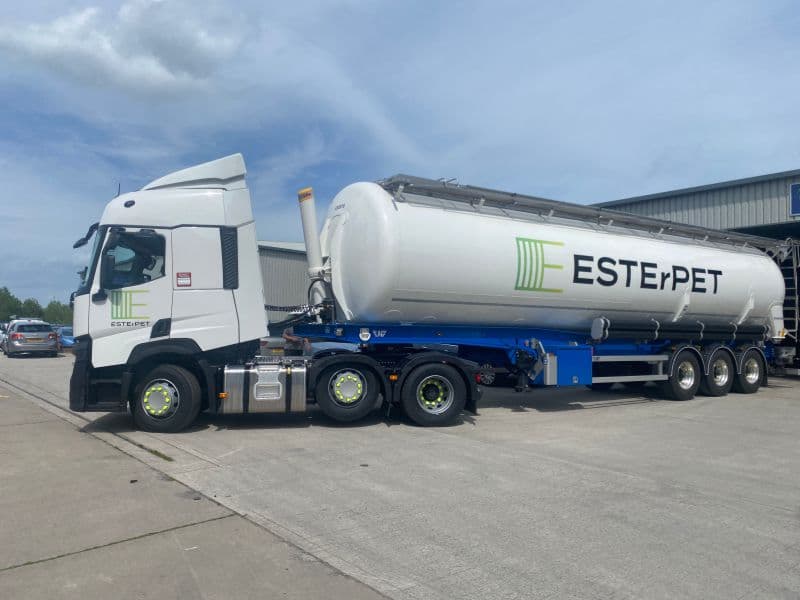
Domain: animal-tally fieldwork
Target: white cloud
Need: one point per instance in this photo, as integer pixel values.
(151, 47)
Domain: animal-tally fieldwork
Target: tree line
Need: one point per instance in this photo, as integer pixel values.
(54, 312)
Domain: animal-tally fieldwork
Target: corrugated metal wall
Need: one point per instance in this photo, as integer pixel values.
(285, 278)
(747, 205)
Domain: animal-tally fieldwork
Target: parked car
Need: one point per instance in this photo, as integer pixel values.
(32, 337)
(65, 337)
(3, 328)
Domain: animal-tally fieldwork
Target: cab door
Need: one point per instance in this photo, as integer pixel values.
(131, 292)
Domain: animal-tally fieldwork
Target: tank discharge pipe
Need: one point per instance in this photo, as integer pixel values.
(316, 270)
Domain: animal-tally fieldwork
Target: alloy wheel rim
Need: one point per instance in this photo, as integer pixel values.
(161, 399)
(686, 375)
(487, 375)
(347, 387)
(720, 372)
(752, 370)
(435, 394)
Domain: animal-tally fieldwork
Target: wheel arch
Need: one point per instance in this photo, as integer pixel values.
(674, 358)
(710, 352)
(739, 356)
(181, 352)
(739, 361)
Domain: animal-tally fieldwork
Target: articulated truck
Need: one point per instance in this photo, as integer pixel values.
(427, 287)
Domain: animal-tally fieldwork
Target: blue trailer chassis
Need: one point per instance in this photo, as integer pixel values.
(520, 348)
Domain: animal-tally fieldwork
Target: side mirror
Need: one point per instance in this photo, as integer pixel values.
(106, 267)
(107, 263)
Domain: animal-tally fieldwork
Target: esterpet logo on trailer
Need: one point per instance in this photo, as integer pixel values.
(608, 272)
(125, 309)
(531, 265)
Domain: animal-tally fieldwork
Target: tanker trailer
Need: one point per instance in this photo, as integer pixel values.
(556, 294)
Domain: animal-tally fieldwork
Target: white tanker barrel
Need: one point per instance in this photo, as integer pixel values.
(403, 257)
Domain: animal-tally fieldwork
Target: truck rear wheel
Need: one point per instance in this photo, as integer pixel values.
(752, 375)
(167, 400)
(684, 380)
(347, 391)
(720, 375)
(434, 394)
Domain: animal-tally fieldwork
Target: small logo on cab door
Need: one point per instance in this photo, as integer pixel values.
(183, 279)
(126, 308)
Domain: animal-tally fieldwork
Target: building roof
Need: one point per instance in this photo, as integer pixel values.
(701, 188)
(286, 246)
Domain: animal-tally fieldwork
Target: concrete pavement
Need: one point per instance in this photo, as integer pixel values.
(81, 519)
(552, 494)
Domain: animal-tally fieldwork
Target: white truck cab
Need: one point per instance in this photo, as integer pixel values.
(173, 273)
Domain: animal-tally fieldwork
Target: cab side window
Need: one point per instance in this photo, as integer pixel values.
(134, 258)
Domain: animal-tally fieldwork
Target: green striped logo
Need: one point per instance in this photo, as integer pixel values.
(124, 305)
(531, 265)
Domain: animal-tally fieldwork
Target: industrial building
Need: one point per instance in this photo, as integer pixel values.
(768, 205)
(284, 262)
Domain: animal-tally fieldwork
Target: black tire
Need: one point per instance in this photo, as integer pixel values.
(684, 381)
(352, 402)
(752, 375)
(167, 400)
(720, 377)
(433, 395)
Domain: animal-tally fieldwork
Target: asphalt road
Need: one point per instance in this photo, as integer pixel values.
(548, 494)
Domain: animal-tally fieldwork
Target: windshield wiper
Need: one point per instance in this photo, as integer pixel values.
(87, 237)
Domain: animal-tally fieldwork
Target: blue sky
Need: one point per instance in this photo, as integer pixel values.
(579, 101)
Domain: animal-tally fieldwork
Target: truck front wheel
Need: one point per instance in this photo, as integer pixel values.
(434, 394)
(167, 400)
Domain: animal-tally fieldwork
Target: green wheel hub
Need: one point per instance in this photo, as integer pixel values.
(160, 399)
(347, 387)
(435, 394)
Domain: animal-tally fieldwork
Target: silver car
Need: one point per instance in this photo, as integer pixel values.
(30, 337)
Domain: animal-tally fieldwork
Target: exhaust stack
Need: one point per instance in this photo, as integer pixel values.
(316, 270)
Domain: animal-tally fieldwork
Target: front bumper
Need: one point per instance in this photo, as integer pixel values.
(79, 382)
(95, 390)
